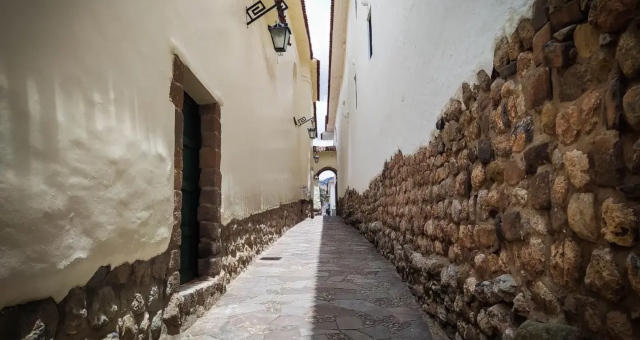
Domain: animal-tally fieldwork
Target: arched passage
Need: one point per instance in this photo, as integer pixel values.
(327, 190)
(326, 168)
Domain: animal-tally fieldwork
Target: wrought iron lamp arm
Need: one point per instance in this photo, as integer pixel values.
(303, 120)
(258, 10)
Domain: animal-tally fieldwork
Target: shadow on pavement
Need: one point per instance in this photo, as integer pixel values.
(328, 283)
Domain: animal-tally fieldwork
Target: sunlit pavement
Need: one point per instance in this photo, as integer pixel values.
(330, 283)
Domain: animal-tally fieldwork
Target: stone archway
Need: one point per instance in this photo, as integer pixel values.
(327, 168)
(335, 173)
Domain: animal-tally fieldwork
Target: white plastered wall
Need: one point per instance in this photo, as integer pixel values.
(87, 129)
(422, 52)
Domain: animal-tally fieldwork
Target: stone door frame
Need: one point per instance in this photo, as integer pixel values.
(209, 261)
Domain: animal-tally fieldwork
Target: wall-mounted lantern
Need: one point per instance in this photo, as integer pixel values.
(280, 35)
(316, 158)
(312, 130)
(280, 32)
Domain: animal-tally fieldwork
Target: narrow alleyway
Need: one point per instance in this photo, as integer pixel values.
(329, 284)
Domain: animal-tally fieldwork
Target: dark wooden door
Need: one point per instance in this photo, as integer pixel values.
(192, 140)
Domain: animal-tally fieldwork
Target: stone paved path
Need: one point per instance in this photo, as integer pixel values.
(329, 284)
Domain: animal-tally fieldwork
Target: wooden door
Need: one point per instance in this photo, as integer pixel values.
(192, 140)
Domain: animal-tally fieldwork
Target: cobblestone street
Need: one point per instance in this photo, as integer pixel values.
(329, 283)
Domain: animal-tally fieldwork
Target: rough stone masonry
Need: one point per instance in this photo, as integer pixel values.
(144, 300)
(520, 218)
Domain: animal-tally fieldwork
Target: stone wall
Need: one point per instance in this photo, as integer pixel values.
(525, 204)
(144, 300)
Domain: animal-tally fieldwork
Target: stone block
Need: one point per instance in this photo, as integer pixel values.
(631, 107)
(608, 159)
(513, 173)
(210, 178)
(485, 151)
(210, 196)
(540, 39)
(531, 330)
(208, 213)
(522, 134)
(633, 271)
(581, 216)
(526, 31)
(502, 145)
(603, 276)
(127, 328)
(525, 63)
(566, 15)
(574, 82)
(548, 300)
(485, 236)
(619, 325)
(532, 257)
(539, 191)
(209, 158)
(536, 155)
(142, 272)
(612, 15)
(210, 267)
(119, 274)
(478, 177)
(576, 163)
(176, 94)
(587, 40)
(557, 54)
(173, 283)
(178, 127)
(211, 231)
(207, 249)
(495, 172)
(30, 321)
(619, 223)
(613, 100)
(566, 258)
(74, 307)
(171, 316)
(484, 80)
(159, 265)
(628, 51)
(565, 34)
(540, 15)
(174, 261)
(501, 54)
(511, 227)
(549, 115)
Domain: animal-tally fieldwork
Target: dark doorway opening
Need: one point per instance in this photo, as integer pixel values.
(189, 227)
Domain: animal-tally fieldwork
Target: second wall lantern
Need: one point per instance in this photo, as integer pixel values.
(280, 35)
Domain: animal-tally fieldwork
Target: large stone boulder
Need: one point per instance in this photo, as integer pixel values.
(531, 330)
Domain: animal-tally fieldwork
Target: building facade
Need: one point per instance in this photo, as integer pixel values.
(489, 150)
(148, 154)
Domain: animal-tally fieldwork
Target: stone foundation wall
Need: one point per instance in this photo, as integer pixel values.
(144, 300)
(244, 239)
(525, 204)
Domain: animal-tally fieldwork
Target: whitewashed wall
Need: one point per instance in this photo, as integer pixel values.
(87, 129)
(422, 52)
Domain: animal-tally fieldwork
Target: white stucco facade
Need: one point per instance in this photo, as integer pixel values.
(331, 186)
(422, 52)
(87, 128)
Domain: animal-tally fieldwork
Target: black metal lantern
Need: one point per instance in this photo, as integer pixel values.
(280, 35)
(316, 158)
(312, 132)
